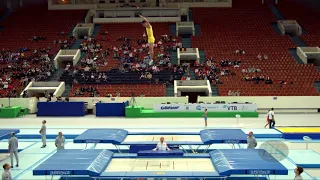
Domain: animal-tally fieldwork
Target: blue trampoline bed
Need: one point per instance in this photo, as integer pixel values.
(119, 137)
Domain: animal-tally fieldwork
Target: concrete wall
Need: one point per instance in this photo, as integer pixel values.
(281, 103)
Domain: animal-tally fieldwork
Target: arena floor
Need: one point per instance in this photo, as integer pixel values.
(32, 155)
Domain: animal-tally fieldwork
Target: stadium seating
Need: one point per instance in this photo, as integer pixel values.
(19, 29)
(125, 90)
(307, 14)
(22, 25)
(133, 31)
(248, 27)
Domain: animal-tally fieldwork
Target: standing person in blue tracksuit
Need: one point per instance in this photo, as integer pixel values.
(60, 140)
(13, 149)
(43, 132)
(205, 115)
(251, 140)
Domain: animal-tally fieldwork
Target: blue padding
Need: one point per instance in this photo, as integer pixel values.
(219, 136)
(6, 150)
(137, 148)
(313, 136)
(110, 109)
(185, 155)
(164, 133)
(246, 161)
(134, 148)
(48, 136)
(61, 109)
(159, 174)
(113, 136)
(75, 162)
(5, 133)
(160, 153)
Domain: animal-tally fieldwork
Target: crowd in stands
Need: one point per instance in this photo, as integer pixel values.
(18, 69)
(130, 55)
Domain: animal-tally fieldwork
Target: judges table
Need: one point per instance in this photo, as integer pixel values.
(160, 153)
(10, 112)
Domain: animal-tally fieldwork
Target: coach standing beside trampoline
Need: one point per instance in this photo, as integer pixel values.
(13, 149)
(60, 140)
(251, 140)
(43, 132)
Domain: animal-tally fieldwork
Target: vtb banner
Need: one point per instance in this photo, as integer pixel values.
(202, 107)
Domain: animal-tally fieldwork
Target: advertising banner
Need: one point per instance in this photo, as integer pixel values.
(202, 107)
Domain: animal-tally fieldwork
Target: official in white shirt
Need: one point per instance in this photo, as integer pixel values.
(13, 149)
(6, 175)
(60, 140)
(43, 132)
(162, 146)
(271, 119)
(298, 171)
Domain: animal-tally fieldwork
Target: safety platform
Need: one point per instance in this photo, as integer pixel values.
(305, 158)
(299, 132)
(73, 133)
(120, 137)
(105, 164)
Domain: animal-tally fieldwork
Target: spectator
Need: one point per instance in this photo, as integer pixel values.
(237, 93)
(259, 57)
(265, 57)
(268, 81)
(230, 93)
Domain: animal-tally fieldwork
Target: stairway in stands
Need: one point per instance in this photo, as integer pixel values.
(172, 29)
(191, 73)
(76, 44)
(170, 90)
(294, 54)
(276, 12)
(275, 28)
(96, 30)
(202, 56)
(173, 57)
(6, 14)
(67, 90)
(197, 29)
(298, 41)
(316, 84)
(215, 91)
(186, 42)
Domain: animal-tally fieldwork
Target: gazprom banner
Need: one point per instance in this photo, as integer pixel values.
(202, 107)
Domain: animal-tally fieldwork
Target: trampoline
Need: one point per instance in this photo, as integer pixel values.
(138, 142)
(105, 164)
(5, 133)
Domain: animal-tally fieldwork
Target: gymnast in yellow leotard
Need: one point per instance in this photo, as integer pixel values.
(151, 39)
